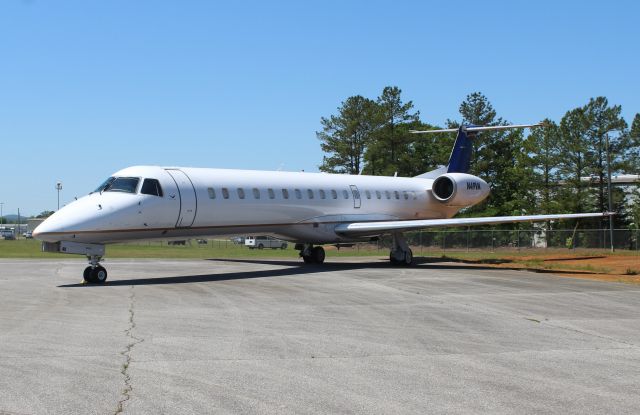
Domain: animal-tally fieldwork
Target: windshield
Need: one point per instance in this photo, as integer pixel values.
(123, 184)
(104, 185)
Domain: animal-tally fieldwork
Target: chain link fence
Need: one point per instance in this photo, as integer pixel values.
(493, 239)
(471, 239)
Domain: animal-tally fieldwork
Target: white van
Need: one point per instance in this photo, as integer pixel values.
(261, 242)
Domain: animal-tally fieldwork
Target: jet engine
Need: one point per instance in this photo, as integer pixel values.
(459, 189)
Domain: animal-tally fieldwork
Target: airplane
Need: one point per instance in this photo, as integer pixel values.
(308, 209)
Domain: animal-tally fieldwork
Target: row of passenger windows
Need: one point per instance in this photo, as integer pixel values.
(311, 194)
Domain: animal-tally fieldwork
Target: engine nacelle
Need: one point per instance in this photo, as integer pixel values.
(460, 189)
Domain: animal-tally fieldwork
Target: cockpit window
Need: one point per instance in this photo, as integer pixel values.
(104, 185)
(151, 187)
(123, 184)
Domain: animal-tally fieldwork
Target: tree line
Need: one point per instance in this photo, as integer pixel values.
(530, 172)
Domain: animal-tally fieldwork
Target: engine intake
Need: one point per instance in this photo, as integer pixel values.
(459, 189)
(444, 188)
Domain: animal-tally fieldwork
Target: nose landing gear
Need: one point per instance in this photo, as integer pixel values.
(95, 273)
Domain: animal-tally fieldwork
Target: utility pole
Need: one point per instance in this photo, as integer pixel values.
(609, 187)
(58, 188)
(2, 211)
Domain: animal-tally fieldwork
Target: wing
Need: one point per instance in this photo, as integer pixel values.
(376, 228)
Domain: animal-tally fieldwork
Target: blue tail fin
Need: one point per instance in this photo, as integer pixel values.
(460, 159)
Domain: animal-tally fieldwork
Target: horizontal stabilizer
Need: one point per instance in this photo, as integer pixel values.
(471, 129)
(376, 228)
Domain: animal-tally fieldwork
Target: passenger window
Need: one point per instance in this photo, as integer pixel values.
(285, 194)
(256, 193)
(151, 187)
(414, 195)
(334, 194)
(272, 194)
(368, 194)
(387, 194)
(225, 193)
(405, 194)
(298, 193)
(345, 194)
(378, 194)
(395, 192)
(310, 193)
(240, 193)
(322, 194)
(212, 192)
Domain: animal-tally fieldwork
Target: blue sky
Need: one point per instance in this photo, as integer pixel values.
(89, 87)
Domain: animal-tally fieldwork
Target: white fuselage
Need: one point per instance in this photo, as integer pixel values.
(199, 202)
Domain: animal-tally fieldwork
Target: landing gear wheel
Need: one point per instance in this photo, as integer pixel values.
(408, 258)
(318, 255)
(401, 258)
(99, 275)
(86, 275)
(312, 255)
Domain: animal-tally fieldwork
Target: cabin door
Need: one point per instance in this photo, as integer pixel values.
(356, 196)
(188, 199)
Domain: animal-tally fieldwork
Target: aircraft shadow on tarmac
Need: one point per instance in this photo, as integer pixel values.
(293, 268)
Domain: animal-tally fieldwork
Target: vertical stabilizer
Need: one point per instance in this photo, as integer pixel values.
(460, 158)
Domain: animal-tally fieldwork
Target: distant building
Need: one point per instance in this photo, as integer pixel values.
(19, 229)
(33, 223)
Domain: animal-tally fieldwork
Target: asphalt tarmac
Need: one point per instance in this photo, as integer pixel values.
(352, 336)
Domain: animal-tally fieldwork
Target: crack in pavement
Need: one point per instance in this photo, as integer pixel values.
(133, 341)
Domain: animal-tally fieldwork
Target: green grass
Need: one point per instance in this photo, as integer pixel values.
(30, 248)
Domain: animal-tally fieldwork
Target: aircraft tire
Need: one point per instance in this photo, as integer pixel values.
(86, 275)
(318, 255)
(307, 259)
(98, 275)
(408, 258)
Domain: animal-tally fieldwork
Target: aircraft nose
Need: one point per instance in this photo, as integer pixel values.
(46, 230)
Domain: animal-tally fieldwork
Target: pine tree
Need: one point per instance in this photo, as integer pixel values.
(345, 137)
(602, 121)
(392, 137)
(575, 195)
(426, 152)
(543, 147)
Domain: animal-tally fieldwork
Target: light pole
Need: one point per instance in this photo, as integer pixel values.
(58, 188)
(2, 212)
(609, 190)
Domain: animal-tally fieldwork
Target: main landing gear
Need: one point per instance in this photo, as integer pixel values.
(400, 254)
(95, 273)
(311, 254)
